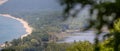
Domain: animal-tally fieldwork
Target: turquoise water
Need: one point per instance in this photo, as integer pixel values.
(10, 29)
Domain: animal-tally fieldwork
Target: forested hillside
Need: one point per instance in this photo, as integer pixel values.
(50, 23)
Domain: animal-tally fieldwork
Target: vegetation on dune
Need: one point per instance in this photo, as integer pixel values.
(45, 25)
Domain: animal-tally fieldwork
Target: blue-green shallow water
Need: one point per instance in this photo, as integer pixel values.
(10, 29)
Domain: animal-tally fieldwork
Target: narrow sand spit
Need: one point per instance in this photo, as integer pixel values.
(3, 1)
(25, 24)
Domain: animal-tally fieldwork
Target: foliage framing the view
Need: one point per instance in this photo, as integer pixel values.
(106, 9)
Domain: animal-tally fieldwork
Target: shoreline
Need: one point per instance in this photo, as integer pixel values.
(3, 1)
(24, 23)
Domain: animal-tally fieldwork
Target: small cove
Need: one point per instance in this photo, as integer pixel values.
(10, 29)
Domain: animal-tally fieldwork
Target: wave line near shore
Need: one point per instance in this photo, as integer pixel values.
(25, 24)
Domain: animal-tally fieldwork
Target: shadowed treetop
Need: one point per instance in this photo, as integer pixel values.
(105, 10)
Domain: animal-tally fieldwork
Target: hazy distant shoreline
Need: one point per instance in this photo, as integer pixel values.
(3, 1)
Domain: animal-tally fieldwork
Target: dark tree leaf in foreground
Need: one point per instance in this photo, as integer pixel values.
(108, 12)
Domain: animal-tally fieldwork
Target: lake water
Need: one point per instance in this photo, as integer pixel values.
(10, 29)
(81, 36)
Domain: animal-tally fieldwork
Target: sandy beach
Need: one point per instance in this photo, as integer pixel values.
(25, 24)
(3, 1)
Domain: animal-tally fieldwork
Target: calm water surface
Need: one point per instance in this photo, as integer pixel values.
(10, 29)
(81, 36)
